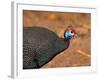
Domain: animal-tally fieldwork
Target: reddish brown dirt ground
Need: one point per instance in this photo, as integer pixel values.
(79, 53)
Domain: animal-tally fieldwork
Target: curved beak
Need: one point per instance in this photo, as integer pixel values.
(76, 36)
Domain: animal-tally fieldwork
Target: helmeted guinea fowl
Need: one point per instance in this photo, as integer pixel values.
(41, 45)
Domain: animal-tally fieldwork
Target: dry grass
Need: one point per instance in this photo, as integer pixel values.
(79, 53)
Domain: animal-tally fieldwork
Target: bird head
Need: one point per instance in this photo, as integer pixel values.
(70, 33)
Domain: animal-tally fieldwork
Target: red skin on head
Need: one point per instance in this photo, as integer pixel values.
(70, 29)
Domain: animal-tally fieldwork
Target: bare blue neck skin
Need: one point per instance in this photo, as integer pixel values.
(68, 35)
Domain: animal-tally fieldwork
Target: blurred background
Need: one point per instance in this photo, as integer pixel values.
(79, 51)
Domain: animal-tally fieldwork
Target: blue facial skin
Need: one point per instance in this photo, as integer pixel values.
(68, 35)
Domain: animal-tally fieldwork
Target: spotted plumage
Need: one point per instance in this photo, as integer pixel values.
(41, 45)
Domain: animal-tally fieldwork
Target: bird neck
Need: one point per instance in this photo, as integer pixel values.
(67, 41)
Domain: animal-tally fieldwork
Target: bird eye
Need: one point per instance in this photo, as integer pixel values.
(71, 32)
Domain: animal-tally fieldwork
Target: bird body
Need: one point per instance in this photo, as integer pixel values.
(41, 45)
